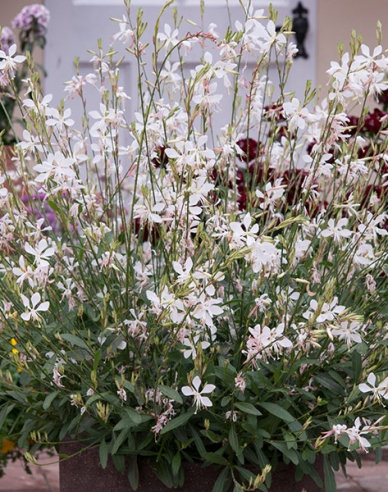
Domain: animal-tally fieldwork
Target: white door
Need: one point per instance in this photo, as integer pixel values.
(77, 24)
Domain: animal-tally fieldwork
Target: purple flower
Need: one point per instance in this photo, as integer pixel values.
(7, 39)
(32, 16)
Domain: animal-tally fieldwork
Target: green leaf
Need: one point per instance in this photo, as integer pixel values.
(68, 337)
(133, 472)
(129, 386)
(4, 412)
(288, 453)
(211, 435)
(225, 401)
(176, 463)
(223, 481)
(53, 205)
(246, 474)
(378, 455)
(49, 399)
(197, 439)
(233, 440)
(277, 411)
(248, 408)
(215, 458)
(163, 472)
(133, 415)
(171, 393)
(330, 485)
(119, 462)
(327, 382)
(119, 440)
(178, 421)
(356, 365)
(96, 359)
(103, 451)
(297, 428)
(124, 423)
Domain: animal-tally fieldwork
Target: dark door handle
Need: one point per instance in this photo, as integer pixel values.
(300, 26)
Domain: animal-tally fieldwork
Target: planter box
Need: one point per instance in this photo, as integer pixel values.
(84, 472)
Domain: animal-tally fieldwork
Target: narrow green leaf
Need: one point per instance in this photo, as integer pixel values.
(135, 416)
(215, 458)
(133, 472)
(4, 412)
(96, 359)
(378, 455)
(163, 472)
(225, 400)
(53, 205)
(68, 337)
(356, 365)
(248, 408)
(49, 399)
(233, 440)
(327, 382)
(178, 421)
(119, 462)
(198, 441)
(103, 451)
(330, 485)
(223, 481)
(124, 423)
(277, 411)
(129, 386)
(119, 440)
(289, 453)
(176, 463)
(146, 441)
(171, 393)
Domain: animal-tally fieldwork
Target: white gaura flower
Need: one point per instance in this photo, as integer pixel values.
(349, 332)
(8, 62)
(125, 35)
(380, 391)
(23, 272)
(273, 38)
(243, 232)
(295, 114)
(326, 312)
(183, 275)
(169, 38)
(33, 307)
(191, 347)
(193, 390)
(60, 121)
(206, 96)
(42, 252)
(56, 167)
(206, 309)
(337, 230)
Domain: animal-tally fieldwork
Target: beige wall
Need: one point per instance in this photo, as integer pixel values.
(336, 20)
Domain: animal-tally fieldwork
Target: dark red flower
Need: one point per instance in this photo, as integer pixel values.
(373, 121)
(161, 158)
(250, 148)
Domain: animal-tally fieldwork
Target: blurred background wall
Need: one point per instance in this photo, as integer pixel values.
(336, 19)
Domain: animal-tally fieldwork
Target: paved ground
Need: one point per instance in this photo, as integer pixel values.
(370, 478)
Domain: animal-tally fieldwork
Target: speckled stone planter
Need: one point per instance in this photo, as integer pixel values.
(84, 473)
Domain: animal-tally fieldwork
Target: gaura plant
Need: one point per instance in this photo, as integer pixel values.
(180, 292)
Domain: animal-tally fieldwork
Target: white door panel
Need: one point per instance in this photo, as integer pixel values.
(77, 24)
